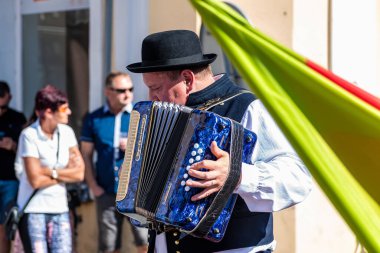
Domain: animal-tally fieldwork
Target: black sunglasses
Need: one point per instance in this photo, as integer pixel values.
(122, 90)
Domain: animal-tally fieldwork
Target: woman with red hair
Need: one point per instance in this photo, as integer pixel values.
(50, 158)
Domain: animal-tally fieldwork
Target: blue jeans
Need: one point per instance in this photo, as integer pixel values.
(46, 233)
(8, 194)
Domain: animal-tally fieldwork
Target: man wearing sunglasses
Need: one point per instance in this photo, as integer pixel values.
(105, 131)
(11, 124)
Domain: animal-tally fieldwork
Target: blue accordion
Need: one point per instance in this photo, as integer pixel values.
(164, 139)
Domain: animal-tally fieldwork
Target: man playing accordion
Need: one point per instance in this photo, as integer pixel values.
(175, 70)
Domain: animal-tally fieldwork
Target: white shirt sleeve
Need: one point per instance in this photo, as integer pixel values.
(278, 178)
(28, 146)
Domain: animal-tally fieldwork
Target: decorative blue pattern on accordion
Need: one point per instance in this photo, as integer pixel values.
(178, 209)
(175, 207)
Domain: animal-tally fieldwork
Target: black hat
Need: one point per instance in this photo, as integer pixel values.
(171, 50)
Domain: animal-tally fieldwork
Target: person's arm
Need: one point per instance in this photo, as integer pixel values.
(37, 175)
(87, 150)
(278, 178)
(74, 171)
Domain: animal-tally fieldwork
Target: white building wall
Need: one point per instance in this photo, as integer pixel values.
(348, 40)
(355, 42)
(130, 26)
(10, 70)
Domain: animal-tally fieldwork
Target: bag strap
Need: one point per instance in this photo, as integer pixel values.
(219, 101)
(27, 202)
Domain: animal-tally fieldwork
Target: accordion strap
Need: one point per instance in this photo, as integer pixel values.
(229, 186)
(219, 101)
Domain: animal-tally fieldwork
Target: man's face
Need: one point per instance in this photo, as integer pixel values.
(162, 88)
(4, 101)
(120, 93)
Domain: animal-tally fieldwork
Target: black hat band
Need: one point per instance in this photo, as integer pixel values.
(174, 61)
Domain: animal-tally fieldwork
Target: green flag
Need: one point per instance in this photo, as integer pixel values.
(334, 128)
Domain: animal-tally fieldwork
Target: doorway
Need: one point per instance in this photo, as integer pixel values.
(55, 51)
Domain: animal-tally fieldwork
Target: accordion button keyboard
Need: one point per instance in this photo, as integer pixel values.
(196, 145)
(185, 175)
(187, 188)
(200, 151)
(193, 153)
(187, 167)
(191, 160)
(197, 158)
(183, 183)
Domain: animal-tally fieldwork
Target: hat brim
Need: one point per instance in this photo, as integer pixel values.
(140, 68)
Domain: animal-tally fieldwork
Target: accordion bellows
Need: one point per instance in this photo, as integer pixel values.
(164, 139)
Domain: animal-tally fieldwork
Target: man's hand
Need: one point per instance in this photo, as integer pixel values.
(123, 143)
(96, 190)
(8, 144)
(216, 175)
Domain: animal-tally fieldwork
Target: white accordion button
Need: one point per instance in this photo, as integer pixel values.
(187, 188)
(196, 145)
(183, 182)
(185, 175)
(193, 153)
(200, 151)
(197, 158)
(187, 167)
(191, 160)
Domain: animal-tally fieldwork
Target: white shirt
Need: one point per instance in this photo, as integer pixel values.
(277, 179)
(34, 143)
(117, 134)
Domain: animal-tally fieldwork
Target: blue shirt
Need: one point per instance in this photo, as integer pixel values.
(99, 128)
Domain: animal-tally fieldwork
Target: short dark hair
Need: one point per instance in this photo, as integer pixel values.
(198, 70)
(49, 97)
(4, 88)
(113, 75)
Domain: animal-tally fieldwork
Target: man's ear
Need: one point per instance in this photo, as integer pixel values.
(189, 79)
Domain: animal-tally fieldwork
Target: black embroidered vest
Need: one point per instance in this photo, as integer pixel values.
(245, 229)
